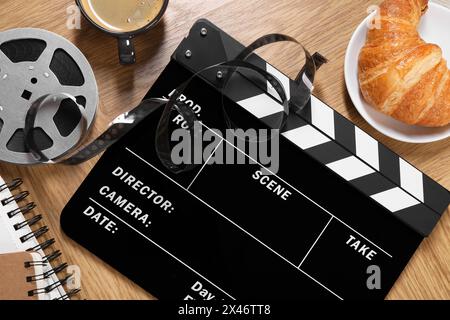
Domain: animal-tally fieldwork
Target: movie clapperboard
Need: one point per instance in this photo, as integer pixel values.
(340, 219)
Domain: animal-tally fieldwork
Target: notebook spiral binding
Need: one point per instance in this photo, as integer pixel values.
(42, 245)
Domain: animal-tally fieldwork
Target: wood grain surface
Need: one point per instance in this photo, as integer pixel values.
(322, 25)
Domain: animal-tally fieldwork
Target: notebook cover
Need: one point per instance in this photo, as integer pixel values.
(14, 273)
(217, 232)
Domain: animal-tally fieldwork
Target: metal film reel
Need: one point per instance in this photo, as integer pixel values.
(34, 63)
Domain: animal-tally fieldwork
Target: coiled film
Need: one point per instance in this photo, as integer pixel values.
(125, 122)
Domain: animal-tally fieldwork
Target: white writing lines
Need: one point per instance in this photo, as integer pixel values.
(302, 194)
(157, 245)
(232, 222)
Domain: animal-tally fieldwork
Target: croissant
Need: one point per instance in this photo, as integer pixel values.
(399, 73)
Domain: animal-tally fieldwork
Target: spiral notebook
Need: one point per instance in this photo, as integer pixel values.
(23, 231)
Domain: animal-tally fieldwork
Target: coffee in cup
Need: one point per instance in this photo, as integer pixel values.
(124, 19)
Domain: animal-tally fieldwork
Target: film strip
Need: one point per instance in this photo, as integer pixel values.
(28, 234)
(127, 121)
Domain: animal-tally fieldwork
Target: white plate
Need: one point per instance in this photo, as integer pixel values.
(434, 28)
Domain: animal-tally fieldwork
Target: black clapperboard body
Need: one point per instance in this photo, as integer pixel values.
(355, 209)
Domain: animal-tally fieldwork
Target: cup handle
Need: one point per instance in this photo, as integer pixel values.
(127, 54)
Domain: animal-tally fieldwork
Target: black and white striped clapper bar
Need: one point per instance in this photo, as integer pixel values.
(333, 140)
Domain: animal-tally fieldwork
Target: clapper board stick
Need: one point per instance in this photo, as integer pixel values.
(331, 139)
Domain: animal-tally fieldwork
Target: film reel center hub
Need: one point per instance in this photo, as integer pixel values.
(34, 63)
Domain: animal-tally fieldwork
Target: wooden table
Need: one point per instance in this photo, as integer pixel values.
(322, 25)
